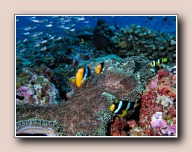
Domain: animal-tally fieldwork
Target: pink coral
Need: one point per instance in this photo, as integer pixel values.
(153, 84)
(157, 121)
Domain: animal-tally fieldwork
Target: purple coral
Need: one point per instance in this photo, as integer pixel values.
(160, 125)
(171, 130)
(36, 90)
(25, 91)
(157, 121)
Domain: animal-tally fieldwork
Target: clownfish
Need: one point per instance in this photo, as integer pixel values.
(99, 68)
(81, 76)
(121, 108)
(158, 62)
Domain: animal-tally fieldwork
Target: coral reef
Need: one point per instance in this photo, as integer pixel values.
(85, 113)
(80, 114)
(158, 108)
(48, 104)
(138, 40)
(157, 115)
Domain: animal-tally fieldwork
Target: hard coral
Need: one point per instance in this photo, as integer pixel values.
(135, 40)
(37, 90)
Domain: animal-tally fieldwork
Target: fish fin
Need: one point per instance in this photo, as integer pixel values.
(72, 79)
(123, 114)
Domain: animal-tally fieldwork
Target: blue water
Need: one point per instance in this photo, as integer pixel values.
(56, 24)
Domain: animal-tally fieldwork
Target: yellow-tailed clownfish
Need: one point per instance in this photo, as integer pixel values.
(81, 76)
(121, 108)
(158, 62)
(99, 68)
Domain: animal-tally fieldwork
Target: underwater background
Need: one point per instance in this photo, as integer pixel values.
(95, 75)
(156, 23)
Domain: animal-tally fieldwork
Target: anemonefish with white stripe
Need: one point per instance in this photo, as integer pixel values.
(121, 108)
(158, 62)
(83, 73)
(99, 68)
(80, 76)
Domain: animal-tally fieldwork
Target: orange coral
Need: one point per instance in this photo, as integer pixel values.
(117, 128)
(167, 91)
